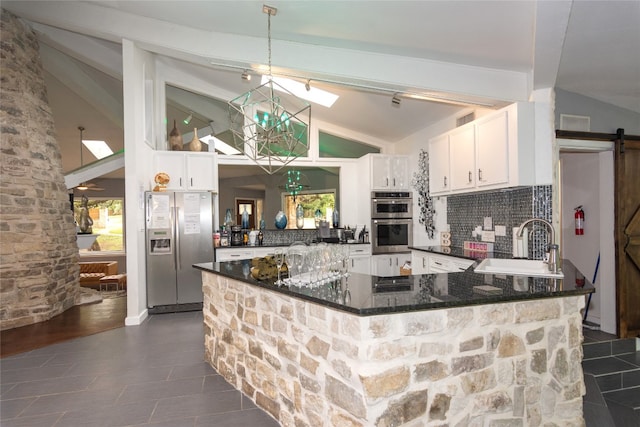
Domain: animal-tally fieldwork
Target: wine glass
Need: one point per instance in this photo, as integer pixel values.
(278, 255)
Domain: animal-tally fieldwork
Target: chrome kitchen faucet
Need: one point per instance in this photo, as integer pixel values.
(552, 262)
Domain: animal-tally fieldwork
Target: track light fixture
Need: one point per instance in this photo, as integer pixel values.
(246, 76)
(187, 120)
(395, 101)
(307, 85)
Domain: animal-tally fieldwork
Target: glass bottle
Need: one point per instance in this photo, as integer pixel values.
(299, 217)
(336, 219)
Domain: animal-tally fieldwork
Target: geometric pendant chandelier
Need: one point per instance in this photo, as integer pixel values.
(270, 129)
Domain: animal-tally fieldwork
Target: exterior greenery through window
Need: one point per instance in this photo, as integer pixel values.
(107, 216)
(311, 201)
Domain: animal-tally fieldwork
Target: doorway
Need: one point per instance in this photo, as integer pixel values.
(251, 207)
(587, 182)
(617, 169)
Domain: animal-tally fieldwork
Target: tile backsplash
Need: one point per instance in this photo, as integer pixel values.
(509, 207)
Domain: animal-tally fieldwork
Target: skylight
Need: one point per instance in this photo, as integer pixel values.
(219, 145)
(99, 149)
(315, 95)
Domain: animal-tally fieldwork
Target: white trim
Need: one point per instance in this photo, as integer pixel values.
(136, 320)
(565, 144)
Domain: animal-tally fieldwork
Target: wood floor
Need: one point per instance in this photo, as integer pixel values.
(78, 321)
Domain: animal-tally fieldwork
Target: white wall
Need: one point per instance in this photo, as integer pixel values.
(605, 118)
(138, 67)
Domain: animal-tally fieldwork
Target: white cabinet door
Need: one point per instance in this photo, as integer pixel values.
(263, 252)
(233, 254)
(399, 172)
(462, 152)
(419, 262)
(380, 172)
(382, 265)
(389, 265)
(439, 180)
(188, 171)
(201, 172)
(360, 259)
(389, 172)
(492, 145)
(360, 264)
(172, 163)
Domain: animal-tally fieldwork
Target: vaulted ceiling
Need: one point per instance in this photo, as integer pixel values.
(483, 52)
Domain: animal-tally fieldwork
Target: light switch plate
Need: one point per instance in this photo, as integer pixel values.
(488, 236)
(501, 230)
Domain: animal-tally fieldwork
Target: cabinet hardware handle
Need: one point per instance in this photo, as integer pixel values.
(423, 266)
(352, 262)
(480, 174)
(445, 181)
(394, 182)
(438, 263)
(387, 182)
(469, 176)
(180, 182)
(390, 262)
(191, 179)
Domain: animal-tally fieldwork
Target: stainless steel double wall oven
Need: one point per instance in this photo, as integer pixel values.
(391, 221)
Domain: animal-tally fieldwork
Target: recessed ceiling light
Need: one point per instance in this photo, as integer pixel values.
(99, 149)
(315, 95)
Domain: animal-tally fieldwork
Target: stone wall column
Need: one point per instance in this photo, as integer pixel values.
(39, 256)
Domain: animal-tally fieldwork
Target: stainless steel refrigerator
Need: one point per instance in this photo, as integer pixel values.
(179, 227)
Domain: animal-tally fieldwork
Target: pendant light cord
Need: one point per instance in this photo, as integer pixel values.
(80, 128)
(269, 39)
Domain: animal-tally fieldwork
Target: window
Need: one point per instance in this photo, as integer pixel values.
(107, 216)
(336, 146)
(311, 201)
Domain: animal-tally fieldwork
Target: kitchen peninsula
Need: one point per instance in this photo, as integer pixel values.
(452, 348)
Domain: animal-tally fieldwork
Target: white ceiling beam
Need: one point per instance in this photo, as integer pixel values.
(81, 83)
(552, 20)
(342, 65)
(94, 170)
(101, 55)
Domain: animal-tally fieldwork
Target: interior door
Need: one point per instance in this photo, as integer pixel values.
(627, 235)
(250, 205)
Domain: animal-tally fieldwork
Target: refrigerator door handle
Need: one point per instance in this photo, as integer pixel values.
(176, 234)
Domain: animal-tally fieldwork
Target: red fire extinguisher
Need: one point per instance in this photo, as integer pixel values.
(579, 218)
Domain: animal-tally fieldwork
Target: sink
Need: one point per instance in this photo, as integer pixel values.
(516, 267)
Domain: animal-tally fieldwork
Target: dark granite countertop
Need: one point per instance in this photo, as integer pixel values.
(368, 295)
(460, 252)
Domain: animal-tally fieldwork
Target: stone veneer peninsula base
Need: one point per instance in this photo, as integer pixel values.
(505, 364)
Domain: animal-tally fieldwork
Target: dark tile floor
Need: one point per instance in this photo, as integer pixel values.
(151, 375)
(612, 379)
(154, 375)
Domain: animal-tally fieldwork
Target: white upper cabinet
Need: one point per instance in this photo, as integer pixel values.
(462, 156)
(188, 171)
(440, 177)
(389, 172)
(492, 144)
(495, 151)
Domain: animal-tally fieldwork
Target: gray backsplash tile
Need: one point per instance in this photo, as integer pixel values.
(509, 207)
